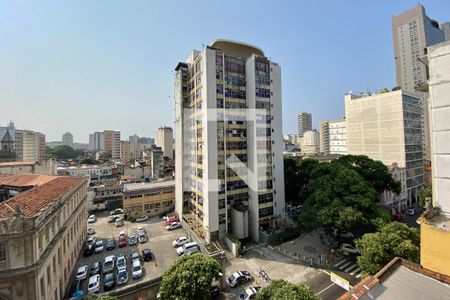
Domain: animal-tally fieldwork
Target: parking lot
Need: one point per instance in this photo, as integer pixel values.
(159, 242)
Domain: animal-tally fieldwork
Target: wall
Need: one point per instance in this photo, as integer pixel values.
(434, 248)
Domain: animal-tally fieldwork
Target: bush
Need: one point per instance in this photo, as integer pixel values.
(286, 235)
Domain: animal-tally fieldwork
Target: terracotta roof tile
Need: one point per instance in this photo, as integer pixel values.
(19, 180)
(32, 201)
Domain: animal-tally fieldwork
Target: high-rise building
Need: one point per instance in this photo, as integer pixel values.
(333, 137)
(157, 162)
(413, 31)
(304, 123)
(97, 141)
(30, 145)
(42, 231)
(435, 222)
(125, 151)
(164, 139)
(67, 139)
(310, 142)
(229, 143)
(388, 127)
(112, 143)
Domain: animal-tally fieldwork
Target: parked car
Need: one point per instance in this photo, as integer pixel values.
(173, 225)
(135, 256)
(171, 220)
(239, 278)
(187, 248)
(94, 284)
(82, 272)
(132, 240)
(142, 237)
(99, 247)
(91, 240)
(147, 254)
(110, 244)
(92, 219)
(122, 241)
(90, 231)
(88, 250)
(122, 276)
(136, 269)
(119, 222)
(117, 211)
(109, 282)
(108, 263)
(180, 241)
(141, 230)
(348, 248)
(121, 262)
(142, 219)
(397, 217)
(249, 293)
(96, 268)
(346, 235)
(411, 211)
(113, 219)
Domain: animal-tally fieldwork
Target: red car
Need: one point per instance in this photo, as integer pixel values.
(171, 220)
(122, 241)
(397, 217)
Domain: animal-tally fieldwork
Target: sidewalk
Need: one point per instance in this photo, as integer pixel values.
(309, 249)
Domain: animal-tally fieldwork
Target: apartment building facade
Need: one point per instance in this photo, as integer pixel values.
(42, 231)
(29, 145)
(125, 151)
(229, 168)
(112, 143)
(164, 139)
(333, 137)
(67, 139)
(97, 141)
(388, 127)
(304, 123)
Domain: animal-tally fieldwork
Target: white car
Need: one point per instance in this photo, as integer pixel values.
(90, 231)
(411, 211)
(188, 247)
(249, 293)
(349, 249)
(82, 272)
(99, 247)
(136, 269)
(117, 211)
(92, 219)
(173, 225)
(108, 264)
(180, 241)
(121, 262)
(94, 284)
(140, 230)
(239, 278)
(142, 219)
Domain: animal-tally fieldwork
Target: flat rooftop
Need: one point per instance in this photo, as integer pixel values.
(32, 201)
(147, 185)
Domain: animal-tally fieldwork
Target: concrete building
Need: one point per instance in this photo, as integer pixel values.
(333, 137)
(229, 142)
(30, 145)
(125, 151)
(435, 223)
(67, 139)
(164, 139)
(445, 27)
(310, 142)
(112, 143)
(44, 167)
(97, 141)
(87, 170)
(304, 123)
(42, 231)
(150, 199)
(156, 162)
(388, 127)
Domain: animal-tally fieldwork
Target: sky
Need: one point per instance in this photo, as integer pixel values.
(84, 66)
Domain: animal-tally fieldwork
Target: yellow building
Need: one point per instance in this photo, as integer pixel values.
(435, 223)
(150, 199)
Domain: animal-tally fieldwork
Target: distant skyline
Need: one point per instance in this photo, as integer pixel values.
(85, 66)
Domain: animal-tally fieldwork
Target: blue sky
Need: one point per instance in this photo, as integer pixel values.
(81, 66)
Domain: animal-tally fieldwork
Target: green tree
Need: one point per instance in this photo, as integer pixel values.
(423, 194)
(392, 239)
(373, 171)
(189, 277)
(103, 297)
(291, 180)
(284, 290)
(63, 152)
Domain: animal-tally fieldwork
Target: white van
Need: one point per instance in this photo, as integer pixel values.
(188, 248)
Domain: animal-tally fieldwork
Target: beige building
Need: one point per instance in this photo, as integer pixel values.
(150, 199)
(310, 142)
(45, 167)
(29, 145)
(388, 127)
(164, 139)
(125, 151)
(112, 143)
(42, 231)
(333, 137)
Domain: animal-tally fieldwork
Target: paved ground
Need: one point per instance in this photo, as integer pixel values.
(159, 243)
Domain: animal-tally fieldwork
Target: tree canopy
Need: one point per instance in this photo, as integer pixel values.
(393, 239)
(423, 194)
(284, 290)
(189, 277)
(63, 152)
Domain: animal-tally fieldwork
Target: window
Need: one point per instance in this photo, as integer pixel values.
(2, 256)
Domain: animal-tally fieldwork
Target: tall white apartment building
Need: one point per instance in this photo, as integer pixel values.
(310, 142)
(388, 127)
(29, 145)
(229, 149)
(97, 141)
(333, 137)
(164, 139)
